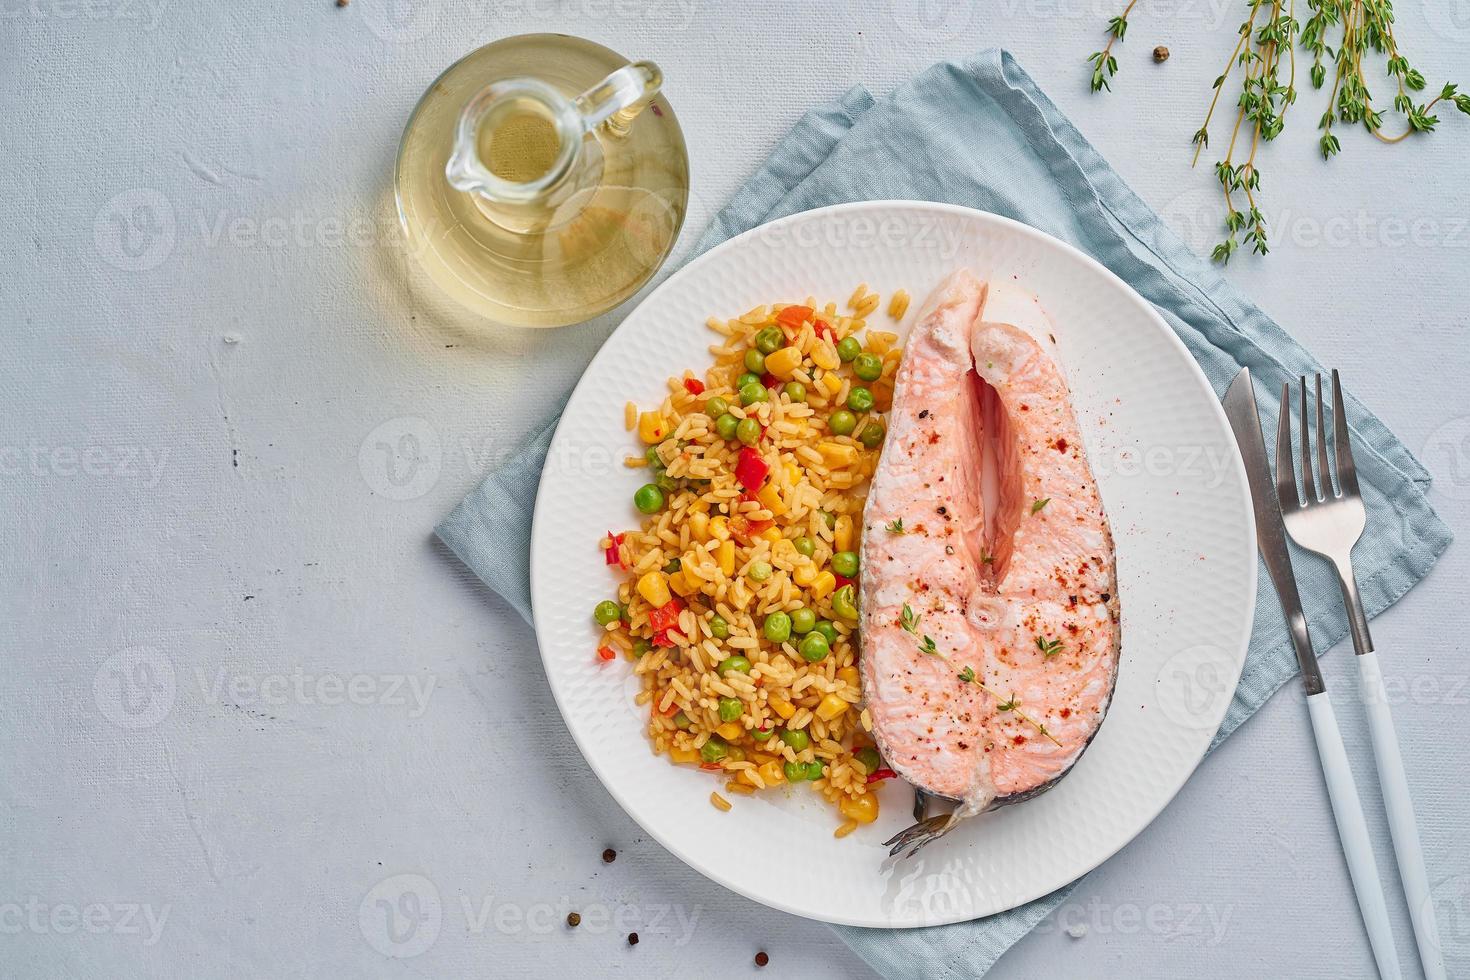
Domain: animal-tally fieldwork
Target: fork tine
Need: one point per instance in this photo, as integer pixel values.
(1285, 471)
(1324, 468)
(1309, 487)
(1347, 471)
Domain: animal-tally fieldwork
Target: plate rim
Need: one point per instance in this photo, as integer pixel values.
(1242, 646)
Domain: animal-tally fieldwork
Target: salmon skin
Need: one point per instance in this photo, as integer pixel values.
(989, 610)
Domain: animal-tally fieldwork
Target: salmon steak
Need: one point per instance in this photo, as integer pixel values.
(989, 609)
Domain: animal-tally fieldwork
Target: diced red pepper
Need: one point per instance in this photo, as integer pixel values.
(613, 554)
(694, 386)
(823, 329)
(606, 652)
(751, 469)
(745, 530)
(770, 381)
(878, 775)
(666, 617)
(661, 639)
(793, 317)
(843, 580)
(711, 767)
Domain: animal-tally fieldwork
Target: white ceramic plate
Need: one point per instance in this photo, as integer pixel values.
(1173, 487)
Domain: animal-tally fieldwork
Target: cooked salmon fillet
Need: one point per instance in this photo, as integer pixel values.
(990, 613)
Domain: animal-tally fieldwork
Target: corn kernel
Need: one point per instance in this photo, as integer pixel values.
(823, 585)
(654, 587)
(746, 778)
(730, 731)
(863, 809)
(805, 574)
(725, 557)
(830, 707)
(771, 772)
(689, 566)
(842, 533)
(652, 428)
(770, 499)
(681, 584)
(719, 527)
(771, 534)
(824, 355)
(699, 525)
(783, 362)
(782, 707)
(848, 675)
(832, 383)
(837, 453)
(684, 755)
(793, 473)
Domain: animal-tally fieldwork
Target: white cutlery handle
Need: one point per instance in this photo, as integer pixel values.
(1401, 822)
(1352, 830)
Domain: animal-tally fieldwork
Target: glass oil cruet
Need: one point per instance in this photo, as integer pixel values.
(542, 180)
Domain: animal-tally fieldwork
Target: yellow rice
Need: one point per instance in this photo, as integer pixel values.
(723, 537)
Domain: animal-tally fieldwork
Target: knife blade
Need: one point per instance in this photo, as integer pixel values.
(1245, 420)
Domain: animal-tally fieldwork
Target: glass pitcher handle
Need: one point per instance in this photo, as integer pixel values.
(615, 101)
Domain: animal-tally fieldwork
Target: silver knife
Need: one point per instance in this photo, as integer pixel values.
(1347, 810)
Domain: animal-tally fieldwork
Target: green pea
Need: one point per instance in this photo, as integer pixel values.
(844, 603)
(726, 425)
(718, 628)
(649, 499)
(714, 750)
(606, 612)
(777, 627)
(802, 621)
(845, 563)
(665, 482)
(759, 571)
(860, 399)
(869, 759)
(653, 458)
(796, 738)
(769, 340)
(748, 431)
(794, 391)
(641, 647)
(736, 662)
(745, 379)
(872, 435)
(869, 367)
(812, 770)
(762, 734)
(795, 772)
(848, 348)
(805, 546)
(827, 630)
(716, 407)
(730, 709)
(755, 361)
(752, 392)
(842, 422)
(814, 647)
(681, 720)
(829, 519)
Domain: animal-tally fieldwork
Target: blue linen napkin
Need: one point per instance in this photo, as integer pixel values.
(978, 132)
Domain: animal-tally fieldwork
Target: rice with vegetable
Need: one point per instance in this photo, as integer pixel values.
(738, 600)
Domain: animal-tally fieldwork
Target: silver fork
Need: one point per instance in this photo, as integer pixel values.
(1329, 522)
